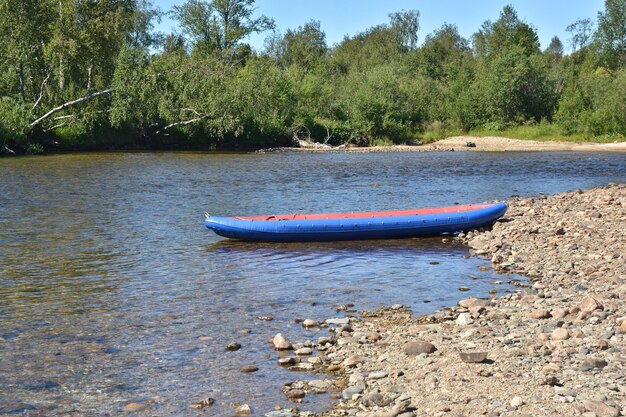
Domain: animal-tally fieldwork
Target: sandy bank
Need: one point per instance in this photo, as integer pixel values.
(481, 144)
(500, 144)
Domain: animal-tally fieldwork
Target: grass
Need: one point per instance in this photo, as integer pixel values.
(544, 132)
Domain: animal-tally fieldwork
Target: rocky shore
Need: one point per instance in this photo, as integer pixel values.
(554, 347)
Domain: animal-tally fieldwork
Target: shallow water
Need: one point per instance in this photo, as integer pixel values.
(111, 290)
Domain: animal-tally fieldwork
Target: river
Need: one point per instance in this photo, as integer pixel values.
(112, 292)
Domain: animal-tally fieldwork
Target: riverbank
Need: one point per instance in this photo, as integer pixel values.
(555, 347)
(471, 144)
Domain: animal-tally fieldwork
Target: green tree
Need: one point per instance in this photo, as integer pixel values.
(505, 33)
(219, 25)
(611, 33)
(443, 53)
(135, 93)
(14, 128)
(593, 104)
(304, 46)
(405, 25)
(554, 51)
(581, 32)
(516, 87)
(23, 31)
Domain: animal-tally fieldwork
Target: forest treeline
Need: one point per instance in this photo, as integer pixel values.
(78, 74)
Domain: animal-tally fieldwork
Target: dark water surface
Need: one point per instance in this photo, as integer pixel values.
(111, 290)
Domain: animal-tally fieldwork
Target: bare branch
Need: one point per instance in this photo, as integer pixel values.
(194, 112)
(328, 135)
(69, 104)
(69, 116)
(43, 85)
(58, 126)
(183, 123)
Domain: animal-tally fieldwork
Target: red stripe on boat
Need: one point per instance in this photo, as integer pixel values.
(391, 213)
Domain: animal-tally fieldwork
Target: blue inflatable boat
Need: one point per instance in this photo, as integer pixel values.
(397, 224)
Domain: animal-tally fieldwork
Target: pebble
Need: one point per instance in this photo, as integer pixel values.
(202, 404)
(308, 323)
(540, 313)
(601, 409)
(589, 304)
(464, 319)
(560, 334)
(302, 367)
(338, 321)
(354, 360)
(233, 346)
(295, 394)
(374, 337)
(516, 402)
(377, 374)
(243, 410)
(349, 392)
(305, 351)
(419, 347)
(592, 363)
(249, 368)
(320, 385)
(473, 302)
(473, 357)
(290, 360)
(134, 407)
(280, 342)
(280, 413)
(376, 399)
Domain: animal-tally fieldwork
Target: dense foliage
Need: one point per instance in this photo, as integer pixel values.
(80, 74)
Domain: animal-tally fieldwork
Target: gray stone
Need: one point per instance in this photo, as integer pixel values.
(354, 360)
(464, 319)
(592, 363)
(473, 357)
(349, 392)
(243, 410)
(540, 313)
(308, 323)
(376, 399)
(516, 402)
(280, 413)
(377, 374)
(320, 385)
(288, 361)
(233, 346)
(301, 367)
(601, 409)
(560, 334)
(249, 368)
(295, 394)
(305, 351)
(417, 348)
(280, 342)
(338, 321)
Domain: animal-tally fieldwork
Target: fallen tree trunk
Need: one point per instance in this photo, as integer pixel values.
(183, 123)
(70, 104)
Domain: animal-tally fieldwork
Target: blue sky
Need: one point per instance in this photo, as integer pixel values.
(348, 17)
